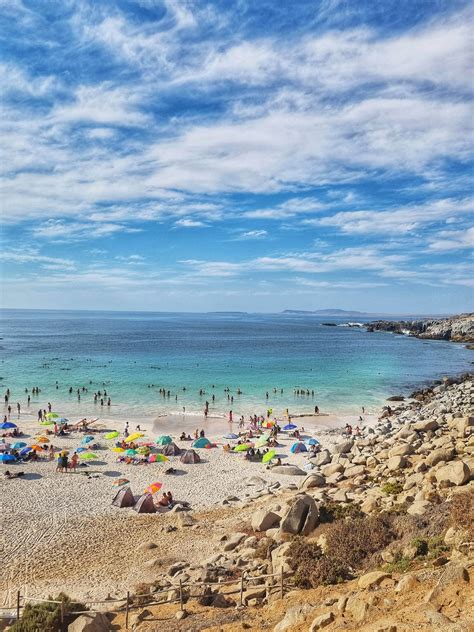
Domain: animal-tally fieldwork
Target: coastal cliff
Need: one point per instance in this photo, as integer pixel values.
(456, 328)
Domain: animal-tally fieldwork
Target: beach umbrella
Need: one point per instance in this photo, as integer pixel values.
(157, 458)
(7, 458)
(52, 416)
(61, 420)
(231, 435)
(153, 488)
(18, 445)
(87, 439)
(261, 442)
(134, 437)
(268, 456)
(243, 447)
(112, 435)
(298, 447)
(130, 452)
(7, 425)
(79, 450)
(117, 449)
(88, 456)
(36, 447)
(290, 427)
(46, 422)
(42, 439)
(25, 451)
(268, 424)
(143, 450)
(312, 441)
(120, 481)
(164, 440)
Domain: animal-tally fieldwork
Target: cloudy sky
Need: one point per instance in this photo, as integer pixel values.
(209, 155)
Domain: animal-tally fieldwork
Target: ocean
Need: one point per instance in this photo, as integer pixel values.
(132, 355)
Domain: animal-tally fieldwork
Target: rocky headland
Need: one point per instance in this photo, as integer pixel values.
(456, 328)
(378, 536)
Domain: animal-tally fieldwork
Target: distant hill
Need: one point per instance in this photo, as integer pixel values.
(328, 312)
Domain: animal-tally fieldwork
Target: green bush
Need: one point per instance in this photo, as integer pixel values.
(46, 617)
(332, 511)
(391, 489)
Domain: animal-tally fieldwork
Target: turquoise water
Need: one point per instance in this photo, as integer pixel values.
(126, 353)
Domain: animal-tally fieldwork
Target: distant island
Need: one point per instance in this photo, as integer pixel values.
(328, 312)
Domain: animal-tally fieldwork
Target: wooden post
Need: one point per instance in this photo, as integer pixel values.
(127, 608)
(62, 615)
(18, 597)
(281, 583)
(242, 589)
(181, 605)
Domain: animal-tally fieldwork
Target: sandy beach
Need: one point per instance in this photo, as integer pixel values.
(56, 525)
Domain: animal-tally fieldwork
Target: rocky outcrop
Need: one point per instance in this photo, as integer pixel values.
(457, 328)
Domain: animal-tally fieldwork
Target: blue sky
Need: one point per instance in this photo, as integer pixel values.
(193, 155)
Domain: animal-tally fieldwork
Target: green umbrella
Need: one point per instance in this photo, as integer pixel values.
(243, 447)
(261, 442)
(130, 452)
(112, 435)
(268, 456)
(88, 456)
(164, 440)
(52, 415)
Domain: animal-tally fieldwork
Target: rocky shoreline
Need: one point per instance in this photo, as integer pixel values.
(456, 329)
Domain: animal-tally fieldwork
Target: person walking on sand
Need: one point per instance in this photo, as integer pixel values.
(18, 407)
(73, 464)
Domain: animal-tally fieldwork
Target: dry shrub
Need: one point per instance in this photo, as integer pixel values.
(461, 512)
(332, 511)
(46, 617)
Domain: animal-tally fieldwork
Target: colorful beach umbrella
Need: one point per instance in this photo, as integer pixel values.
(52, 416)
(117, 449)
(157, 458)
(130, 452)
(36, 447)
(268, 424)
(25, 451)
(42, 439)
(112, 435)
(312, 441)
(46, 422)
(88, 456)
(164, 440)
(231, 435)
(290, 427)
(18, 445)
(79, 450)
(153, 488)
(62, 420)
(120, 481)
(7, 425)
(87, 439)
(143, 450)
(243, 447)
(7, 458)
(297, 447)
(134, 437)
(261, 442)
(268, 456)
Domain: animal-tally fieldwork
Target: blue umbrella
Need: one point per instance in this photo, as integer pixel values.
(18, 445)
(289, 427)
(6, 425)
(25, 451)
(231, 435)
(87, 439)
(7, 458)
(81, 449)
(62, 420)
(312, 441)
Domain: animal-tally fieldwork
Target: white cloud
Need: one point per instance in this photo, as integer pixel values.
(448, 240)
(58, 230)
(186, 222)
(253, 234)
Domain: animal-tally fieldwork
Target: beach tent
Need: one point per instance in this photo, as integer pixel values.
(171, 450)
(190, 456)
(298, 447)
(202, 442)
(145, 504)
(124, 498)
(164, 440)
(231, 435)
(7, 458)
(7, 425)
(120, 481)
(290, 427)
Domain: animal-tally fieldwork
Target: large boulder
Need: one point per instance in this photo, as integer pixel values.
(323, 458)
(343, 447)
(425, 425)
(279, 558)
(450, 586)
(372, 580)
(441, 454)
(332, 468)
(403, 449)
(290, 470)
(90, 622)
(396, 463)
(301, 517)
(293, 617)
(263, 520)
(456, 473)
(313, 480)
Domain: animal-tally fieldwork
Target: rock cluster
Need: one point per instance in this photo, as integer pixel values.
(458, 328)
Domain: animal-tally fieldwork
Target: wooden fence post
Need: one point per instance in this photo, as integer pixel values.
(127, 608)
(18, 597)
(62, 614)
(181, 606)
(281, 583)
(242, 589)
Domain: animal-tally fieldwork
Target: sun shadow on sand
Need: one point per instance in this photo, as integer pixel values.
(32, 476)
(112, 473)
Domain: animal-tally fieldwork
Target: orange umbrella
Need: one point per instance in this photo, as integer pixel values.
(42, 439)
(38, 448)
(153, 488)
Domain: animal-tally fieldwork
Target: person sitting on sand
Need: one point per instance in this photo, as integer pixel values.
(164, 501)
(196, 433)
(227, 447)
(170, 499)
(182, 436)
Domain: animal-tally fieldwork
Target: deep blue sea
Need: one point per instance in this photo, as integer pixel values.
(132, 355)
